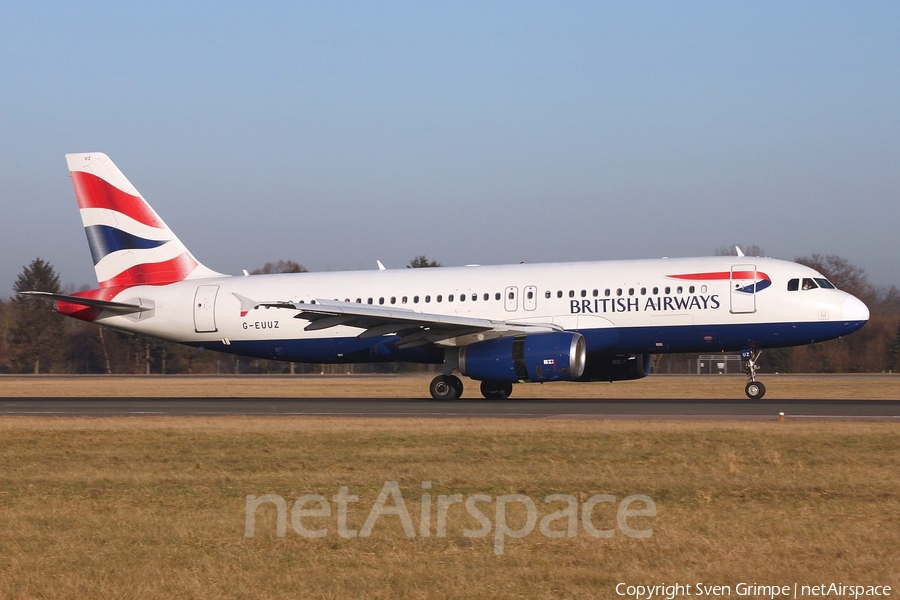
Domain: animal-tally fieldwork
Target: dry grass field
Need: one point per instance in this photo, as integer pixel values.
(780, 387)
(156, 507)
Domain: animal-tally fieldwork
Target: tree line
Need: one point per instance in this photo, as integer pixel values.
(34, 339)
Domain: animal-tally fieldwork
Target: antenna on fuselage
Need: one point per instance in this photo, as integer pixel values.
(739, 251)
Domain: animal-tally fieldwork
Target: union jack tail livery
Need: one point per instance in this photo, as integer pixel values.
(130, 244)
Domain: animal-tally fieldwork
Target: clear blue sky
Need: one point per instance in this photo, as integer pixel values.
(335, 134)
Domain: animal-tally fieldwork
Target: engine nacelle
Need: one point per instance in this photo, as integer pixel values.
(536, 357)
(617, 368)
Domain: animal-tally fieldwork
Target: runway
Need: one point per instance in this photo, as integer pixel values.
(880, 410)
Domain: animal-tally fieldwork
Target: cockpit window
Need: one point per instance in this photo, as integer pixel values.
(809, 284)
(825, 284)
(793, 285)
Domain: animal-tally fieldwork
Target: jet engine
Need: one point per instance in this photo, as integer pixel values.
(535, 357)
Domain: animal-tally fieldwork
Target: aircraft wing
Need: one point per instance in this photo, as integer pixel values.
(414, 328)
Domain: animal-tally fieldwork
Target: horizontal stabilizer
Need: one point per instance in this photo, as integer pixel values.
(123, 308)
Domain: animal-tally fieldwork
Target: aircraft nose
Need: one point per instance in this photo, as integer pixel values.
(855, 309)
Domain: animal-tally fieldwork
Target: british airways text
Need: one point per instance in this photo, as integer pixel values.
(617, 305)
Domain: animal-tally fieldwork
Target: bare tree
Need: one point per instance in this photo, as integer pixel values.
(844, 275)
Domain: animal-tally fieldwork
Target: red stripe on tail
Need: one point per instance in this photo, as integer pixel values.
(93, 192)
(161, 273)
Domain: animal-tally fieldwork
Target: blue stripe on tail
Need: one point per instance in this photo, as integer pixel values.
(104, 240)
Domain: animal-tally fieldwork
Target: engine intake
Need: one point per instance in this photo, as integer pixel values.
(537, 357)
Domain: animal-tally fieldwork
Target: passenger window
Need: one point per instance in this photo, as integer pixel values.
(359, 300)
(427, 299)
(571, 293)
(487, 297)
(530, 294)
(606, 292)
(474, 297)
(547, 294)
(381, 300)
(702, 289)
(449, 298)
(369, 301)
(631, 291)
(512, 295)
(595, 293)
(462, 297)
(497, 296)
(619, 292)
(643, 291)
(668, 290)
(559, 293)
(656, 291)
(415, 299)
(794, 285)
(679, 290)
(403, 300)
(393, 299)
(825, 284)
(809, 284)
(439, 298)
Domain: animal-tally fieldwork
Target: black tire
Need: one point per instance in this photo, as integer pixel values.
(457, 384)
(496, 390)
(755, 390)
(443, 388)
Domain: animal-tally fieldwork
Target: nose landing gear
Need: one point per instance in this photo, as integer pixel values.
(754, 389)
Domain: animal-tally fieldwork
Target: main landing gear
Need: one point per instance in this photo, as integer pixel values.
(755, 390)
(446, 387)
(450, 387)
(496, 390)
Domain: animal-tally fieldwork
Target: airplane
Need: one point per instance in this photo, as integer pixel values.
(500, 325)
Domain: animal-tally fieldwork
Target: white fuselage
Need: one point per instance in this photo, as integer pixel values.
(633, 306)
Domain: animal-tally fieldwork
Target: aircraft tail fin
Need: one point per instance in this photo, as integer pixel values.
(130, 244)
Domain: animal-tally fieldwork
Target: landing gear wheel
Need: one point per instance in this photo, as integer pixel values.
(755, 390)
(445, 387)
(496, 390)
(457, 384)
